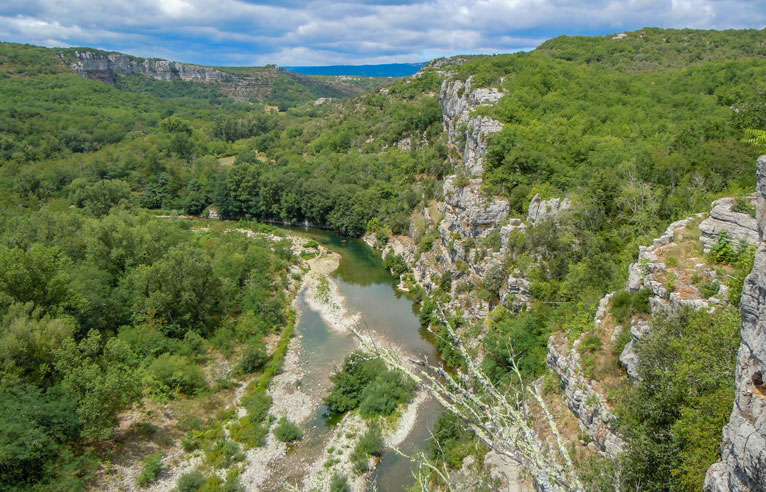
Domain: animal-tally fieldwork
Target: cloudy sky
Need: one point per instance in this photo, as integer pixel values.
(320, 32)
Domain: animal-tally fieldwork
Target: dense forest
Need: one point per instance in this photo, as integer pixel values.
(103, 304)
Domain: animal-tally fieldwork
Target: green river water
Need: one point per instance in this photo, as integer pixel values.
(370, 290)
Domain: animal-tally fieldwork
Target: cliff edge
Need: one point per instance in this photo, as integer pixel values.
(743, 451)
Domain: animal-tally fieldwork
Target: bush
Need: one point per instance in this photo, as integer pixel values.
(673, 417)
(339, 483)
(191, 481)
(286, 431)
(626, 304)
(709, 289)
(360, 460)
(451, 442)
(367, 384)
(395, 263)
(372, 441)
(257, 405)
(743, 205)
(224, 453)
(152, 468)
(253, 358)
(173, 373)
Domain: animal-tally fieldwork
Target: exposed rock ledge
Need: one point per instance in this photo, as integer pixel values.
(738, 226)
(743, 463)
(581, 396)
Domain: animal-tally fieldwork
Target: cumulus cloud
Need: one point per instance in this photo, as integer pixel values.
(316, 32)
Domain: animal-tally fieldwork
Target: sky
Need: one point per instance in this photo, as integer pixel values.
(320, 32)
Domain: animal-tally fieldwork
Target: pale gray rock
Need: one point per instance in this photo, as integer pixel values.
(512, 226)
(517, 293)
(587, 404)
(541, 210)
(458, 101)
(743, 461)
(738, 226)
(508, 474)
(478, 130)
(469, 212)
(646, 274)
(104, 66)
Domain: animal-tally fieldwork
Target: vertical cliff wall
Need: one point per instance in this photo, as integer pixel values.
(743, 452)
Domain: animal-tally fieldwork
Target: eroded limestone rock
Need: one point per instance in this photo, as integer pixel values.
(743, 461)
(738, 226)
(541, 210)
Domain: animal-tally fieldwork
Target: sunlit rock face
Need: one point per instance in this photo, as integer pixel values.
(743, 451)
(738, 226)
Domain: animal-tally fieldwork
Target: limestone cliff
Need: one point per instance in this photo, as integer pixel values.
(253, 83)
(458, 104)
(743, 462)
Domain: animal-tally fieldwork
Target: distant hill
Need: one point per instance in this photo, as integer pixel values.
(270, 84)
(383, 70)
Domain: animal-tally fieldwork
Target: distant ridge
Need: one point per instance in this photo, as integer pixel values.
(383, 70)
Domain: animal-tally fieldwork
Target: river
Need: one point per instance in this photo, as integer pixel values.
(371, 291)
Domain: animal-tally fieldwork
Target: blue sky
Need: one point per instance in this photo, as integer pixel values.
(296, 32)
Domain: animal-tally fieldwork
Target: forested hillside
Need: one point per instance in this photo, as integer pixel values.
(105, 306)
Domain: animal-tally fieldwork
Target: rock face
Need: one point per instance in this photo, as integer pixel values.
(468, 212)
(108, 66)
(743, 461)
(738, 226)
(541, 210)
(458, 102)
(580, 393)
(105, 66)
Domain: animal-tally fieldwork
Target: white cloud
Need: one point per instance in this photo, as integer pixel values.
(325, 32)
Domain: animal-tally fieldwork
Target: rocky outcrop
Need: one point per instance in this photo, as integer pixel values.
(541, 210)
(738, 226)
(743, 452)
(580, 393)
(469, 212)
(107, 66)
(458, 102)
(477, 131)
(258, 83)
(669, 287)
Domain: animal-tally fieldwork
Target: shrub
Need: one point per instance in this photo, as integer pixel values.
(395, 263)
(191, 481)
(339, 483)
(224, 453)
(451, 442)
(152, 468)
(257, 405)
(709, 289)
(591, 344)
(743, 205)
(626, 304)
(371, 442)
(253, 358)
(248, 432)
(367, 384)
(286, 431)
(360, 460)
(174, 373)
